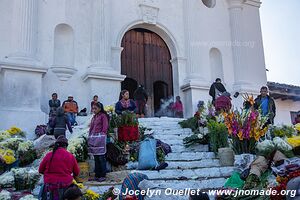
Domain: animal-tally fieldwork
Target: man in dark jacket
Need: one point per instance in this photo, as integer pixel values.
(216, 89)
(54, 103)
(266, 104)
(141, 98)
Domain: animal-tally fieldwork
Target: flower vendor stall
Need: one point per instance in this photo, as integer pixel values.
(128, 127)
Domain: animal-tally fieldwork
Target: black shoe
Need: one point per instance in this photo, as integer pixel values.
(162, 166)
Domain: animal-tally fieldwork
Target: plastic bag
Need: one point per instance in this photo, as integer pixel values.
(234, 181)
(44, 142)
(243, 161)
(147, 154)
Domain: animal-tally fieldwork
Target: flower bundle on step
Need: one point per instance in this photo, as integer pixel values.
(78, 147)
(245, 128)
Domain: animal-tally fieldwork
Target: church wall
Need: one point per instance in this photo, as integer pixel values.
(283, 109)
(210, 28)
(6, 7)
(255, 53)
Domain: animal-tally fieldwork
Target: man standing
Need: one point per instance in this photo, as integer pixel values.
(266, 104)
(94, 102)
(216, 89)
(54, 103)
(140, 98)
(71, 109)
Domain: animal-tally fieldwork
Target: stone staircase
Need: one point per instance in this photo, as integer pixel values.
(194, 167)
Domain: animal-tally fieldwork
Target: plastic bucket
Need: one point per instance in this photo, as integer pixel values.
(226, 156)
(84, 172)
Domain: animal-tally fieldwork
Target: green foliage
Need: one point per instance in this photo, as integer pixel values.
(27, 157)
(160, 155)
(191, 123)
(195, 139)
(284, 131)
(127, 119)
(218, 135)
(113, 122)
(244, 146)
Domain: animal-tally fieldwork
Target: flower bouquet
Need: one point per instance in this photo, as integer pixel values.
(246, 127)
(198, 124)
(201, 137)
(25, 178)
(90, 195)
(218, 135)
(8, 156)
(7, 180)
(16, 131)
(4, 135)
(78, 147)
(284, 131)
(5, 195)
(11, 143)
(26, 153)
(128, 129)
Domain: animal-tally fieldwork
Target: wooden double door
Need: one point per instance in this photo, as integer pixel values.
(146, 61)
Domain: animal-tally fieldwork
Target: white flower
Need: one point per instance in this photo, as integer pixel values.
(28, 197)
(200, 136)
(5, 195)
(7, 179)
(281, 144)
(25, 146)
(266, 144)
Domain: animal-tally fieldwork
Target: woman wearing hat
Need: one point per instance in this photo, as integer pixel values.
(58, 168)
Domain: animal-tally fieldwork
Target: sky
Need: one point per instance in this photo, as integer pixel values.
(280, 21)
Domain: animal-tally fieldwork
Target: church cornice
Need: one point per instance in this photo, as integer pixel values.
(103, 76)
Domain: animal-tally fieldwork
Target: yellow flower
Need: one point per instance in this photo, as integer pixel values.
(80, 185)
(14, 130)
(91, 195)
(8, 156)
(240, 135)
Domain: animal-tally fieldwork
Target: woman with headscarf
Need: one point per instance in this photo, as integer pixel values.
(125, 103)
(59, 168)
(97, 140)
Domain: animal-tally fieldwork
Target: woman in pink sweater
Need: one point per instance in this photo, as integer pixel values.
(178, 108)
(97, 140)
(58, 167)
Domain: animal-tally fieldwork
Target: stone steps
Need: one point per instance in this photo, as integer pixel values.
(193, 167)
(190, 156)
(193, 164)
(195, 148)
(187, 174)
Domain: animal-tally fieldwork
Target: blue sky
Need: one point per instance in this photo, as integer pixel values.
(280, 21)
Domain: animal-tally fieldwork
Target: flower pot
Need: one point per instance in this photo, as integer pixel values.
(84, 172)
(226, 156)
(128, 133)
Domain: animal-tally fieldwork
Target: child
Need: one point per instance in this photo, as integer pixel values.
(178, 108)
(72, 193)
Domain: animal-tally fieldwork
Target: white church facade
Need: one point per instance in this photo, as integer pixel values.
(88, 47)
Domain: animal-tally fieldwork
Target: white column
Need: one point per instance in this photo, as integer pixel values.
(237, 38)
(195, 71)
(100, 37)
(25, 26)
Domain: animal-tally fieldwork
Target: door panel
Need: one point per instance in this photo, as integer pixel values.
(146, 59)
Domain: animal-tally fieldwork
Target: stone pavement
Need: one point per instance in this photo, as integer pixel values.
(193, 167)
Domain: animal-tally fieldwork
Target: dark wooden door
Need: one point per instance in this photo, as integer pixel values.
(146, 59)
